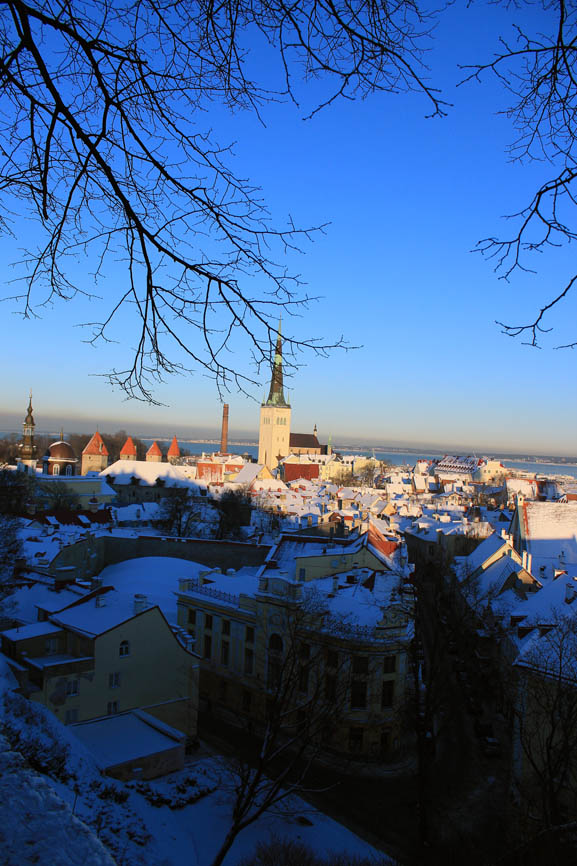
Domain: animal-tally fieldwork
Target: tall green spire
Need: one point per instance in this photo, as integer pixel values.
(276, 394)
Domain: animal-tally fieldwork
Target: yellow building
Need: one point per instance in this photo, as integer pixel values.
(107, 654)
(92, 491)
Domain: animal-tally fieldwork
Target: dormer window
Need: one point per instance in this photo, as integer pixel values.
(124, 648)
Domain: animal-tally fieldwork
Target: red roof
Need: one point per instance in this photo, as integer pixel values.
(129, 447)
(377, 540)
(96, 446)
(154, 451)
(174, 450)
(292, 471)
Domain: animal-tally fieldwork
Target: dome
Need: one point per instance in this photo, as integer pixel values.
(61, 451)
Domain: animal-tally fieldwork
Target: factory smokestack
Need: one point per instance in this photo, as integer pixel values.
(224, 434)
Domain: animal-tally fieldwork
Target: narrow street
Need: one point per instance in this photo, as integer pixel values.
(468, 790)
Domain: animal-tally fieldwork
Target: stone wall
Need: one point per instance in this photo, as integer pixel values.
(91, 555)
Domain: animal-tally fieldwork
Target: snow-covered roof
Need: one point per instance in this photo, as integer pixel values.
(550, 533)
(147, 472)
(484, 551)
(248, 473)
(125, 737)
(35, 629)
(156, 577)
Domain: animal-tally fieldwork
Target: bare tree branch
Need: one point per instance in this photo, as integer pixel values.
(100, 143)
(539, 72)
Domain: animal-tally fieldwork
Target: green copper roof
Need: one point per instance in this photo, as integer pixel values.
(276, 394)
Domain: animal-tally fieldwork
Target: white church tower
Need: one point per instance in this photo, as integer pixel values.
(275, 417)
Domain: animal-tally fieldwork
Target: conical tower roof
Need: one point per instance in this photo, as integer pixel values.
(96, 446)
(154, 451)
(128, 449)
(174, 450)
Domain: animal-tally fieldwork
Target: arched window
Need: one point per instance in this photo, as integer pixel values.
(275, 643)
(69, 470)
(124, 648)
(56, 469)
(274, 671)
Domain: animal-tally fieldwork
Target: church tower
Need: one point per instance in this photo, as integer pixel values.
(275, 417)
(95, 455)
(28, 448)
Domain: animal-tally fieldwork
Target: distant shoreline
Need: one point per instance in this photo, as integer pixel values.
(544, 459)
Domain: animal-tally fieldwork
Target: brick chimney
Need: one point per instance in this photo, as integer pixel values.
(224, 433)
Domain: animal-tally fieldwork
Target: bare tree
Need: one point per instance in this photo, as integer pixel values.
(305, 697)
(179, 514)
(545, 716)
(101, 143)
(538, 70)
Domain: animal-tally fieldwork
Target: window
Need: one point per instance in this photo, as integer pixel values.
(385, 741)
(332, 658)
(360, 665)
(51, 646)
(114, 680)
(112, 708)
(275, 643)
(356, 739)
(71, 688)
(208, 621)
(191, 616)
(302, 574)
(358, 694)
(56, 469)
(224, 653)
(69, 470)
(249, 636)
(124, 648)
(330, 687)
(71, 717)
(246, 701)
(389, 664)
(226, 626)
(275, 649)
(207, 646)
(248, 661)
(388, 693)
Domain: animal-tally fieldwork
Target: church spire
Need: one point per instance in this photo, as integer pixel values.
(28, 448)
(276, 394)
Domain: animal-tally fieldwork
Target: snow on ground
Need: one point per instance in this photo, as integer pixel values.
(56, 807)
(198, 830)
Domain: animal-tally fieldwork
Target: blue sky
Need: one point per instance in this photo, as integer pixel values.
(406, 198)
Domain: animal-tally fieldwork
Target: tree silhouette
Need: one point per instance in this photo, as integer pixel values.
(101, 142)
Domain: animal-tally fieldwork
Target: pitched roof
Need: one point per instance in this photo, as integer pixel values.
(129, 447)
(303, 440)
(154, 450)
(96, 446)
(174, 450)
(378, 542)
